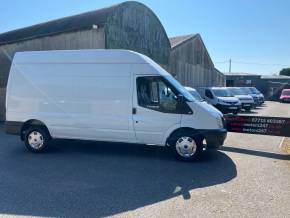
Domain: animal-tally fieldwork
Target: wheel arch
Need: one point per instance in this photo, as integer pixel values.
(180, 130)
(32, 122)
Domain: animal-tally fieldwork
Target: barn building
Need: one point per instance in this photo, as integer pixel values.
(191, 64)
(129, 25)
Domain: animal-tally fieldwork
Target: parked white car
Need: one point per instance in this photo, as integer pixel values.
(105, 95)
(256, 97)
(246, 100)
(261, 97)
(220, 98)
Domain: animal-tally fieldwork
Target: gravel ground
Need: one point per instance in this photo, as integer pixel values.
(286, 145)
(249, 177)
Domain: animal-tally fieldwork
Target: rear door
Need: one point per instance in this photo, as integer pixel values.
(155, 109)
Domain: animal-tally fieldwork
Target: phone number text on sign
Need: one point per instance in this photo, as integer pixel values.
(277, 126)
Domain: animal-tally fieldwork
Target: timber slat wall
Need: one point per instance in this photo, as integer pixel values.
(192, 66)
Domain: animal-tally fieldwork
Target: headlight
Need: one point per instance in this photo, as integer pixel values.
(220, 122)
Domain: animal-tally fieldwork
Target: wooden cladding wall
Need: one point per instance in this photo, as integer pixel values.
(191, 65)
(137, 28)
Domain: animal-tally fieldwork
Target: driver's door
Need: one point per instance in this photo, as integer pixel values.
(154, 109)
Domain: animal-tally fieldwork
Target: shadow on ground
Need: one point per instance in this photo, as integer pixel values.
(256, 153)
(77, 179)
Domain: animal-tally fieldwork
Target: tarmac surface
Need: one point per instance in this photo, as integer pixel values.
(249, 177)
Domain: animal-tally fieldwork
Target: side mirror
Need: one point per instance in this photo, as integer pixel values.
(180, 98)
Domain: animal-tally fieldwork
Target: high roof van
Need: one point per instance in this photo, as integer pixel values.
(105, 95)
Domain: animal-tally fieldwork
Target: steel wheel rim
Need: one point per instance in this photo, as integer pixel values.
(186, 146)
(35, 140)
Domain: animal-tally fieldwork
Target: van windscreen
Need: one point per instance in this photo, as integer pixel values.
(180, 88)
(222, 93)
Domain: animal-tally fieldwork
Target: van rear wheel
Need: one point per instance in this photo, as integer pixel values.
(187, 147)
(36, 139)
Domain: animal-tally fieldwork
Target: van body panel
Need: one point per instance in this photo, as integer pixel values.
(150, 125)
(67, 101)
(93, 95)
(201, 111)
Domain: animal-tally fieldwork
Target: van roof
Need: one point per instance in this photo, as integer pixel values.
(103, 56)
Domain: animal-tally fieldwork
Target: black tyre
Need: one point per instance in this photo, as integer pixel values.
(36, 139)
(186, 146)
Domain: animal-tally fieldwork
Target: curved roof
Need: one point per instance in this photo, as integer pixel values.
(67, 24)
(129, 25)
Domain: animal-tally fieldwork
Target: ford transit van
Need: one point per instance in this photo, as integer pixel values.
(105, 95)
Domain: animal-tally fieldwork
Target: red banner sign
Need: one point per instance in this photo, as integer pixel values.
(276, 126)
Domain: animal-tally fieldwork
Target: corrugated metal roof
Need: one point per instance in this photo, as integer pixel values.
(240, 74)
(67, 24)
(275, 77)
(177, 40)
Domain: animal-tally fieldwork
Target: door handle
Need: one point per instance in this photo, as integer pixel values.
(134, 110)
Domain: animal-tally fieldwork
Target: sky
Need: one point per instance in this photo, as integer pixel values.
(254, 34)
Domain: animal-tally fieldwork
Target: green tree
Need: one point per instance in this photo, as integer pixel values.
(285, 72)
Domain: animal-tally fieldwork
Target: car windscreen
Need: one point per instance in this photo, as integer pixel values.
(254, 90)
(222, 93)
(196, 95)
(180, 88)
(236, 91)
(286, 92)
(246, 90)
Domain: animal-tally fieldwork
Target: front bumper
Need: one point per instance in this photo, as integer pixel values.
(228, 108)
(285, 99)
(261, 100)
(247, 106)
(256, 101)
(214, 138)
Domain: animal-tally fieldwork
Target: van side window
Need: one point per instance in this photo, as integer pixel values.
(155, 94)
(208, 94)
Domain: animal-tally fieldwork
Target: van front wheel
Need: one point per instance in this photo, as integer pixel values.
(36, 139)
(187, 147)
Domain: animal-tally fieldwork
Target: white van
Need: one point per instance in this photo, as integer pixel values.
(105, 95)
(246, 100)
(221, 98)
